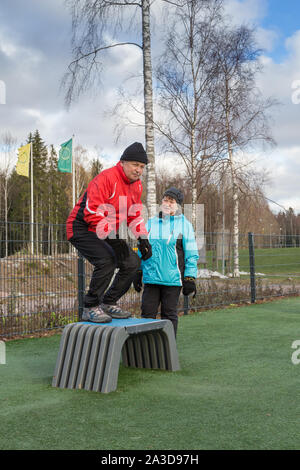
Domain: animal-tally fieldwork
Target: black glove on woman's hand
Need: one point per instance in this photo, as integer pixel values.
(189, 286)
(120, 248)
(145, 248)
(138, 280)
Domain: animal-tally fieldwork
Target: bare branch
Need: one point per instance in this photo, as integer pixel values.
(177, 4)
(92, 20)
(120, 4)
(95, 52)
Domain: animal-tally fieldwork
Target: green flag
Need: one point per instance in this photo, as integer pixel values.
(65, 157)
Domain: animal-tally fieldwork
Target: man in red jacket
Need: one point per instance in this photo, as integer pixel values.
(113, 197)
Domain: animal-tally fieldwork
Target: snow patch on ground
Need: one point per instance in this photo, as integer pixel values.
(207, 274)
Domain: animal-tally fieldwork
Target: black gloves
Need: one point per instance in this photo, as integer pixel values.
(120, 248)
(138, 280)
(189, 286)
(145, 248)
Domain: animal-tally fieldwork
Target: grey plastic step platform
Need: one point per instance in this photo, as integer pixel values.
(90, 353)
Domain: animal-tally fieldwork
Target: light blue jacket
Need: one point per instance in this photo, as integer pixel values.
(174, 251)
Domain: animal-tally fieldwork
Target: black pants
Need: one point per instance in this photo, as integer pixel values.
(166, 296)
(101, 255)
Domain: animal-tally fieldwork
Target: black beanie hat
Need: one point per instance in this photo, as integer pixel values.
(135, 153)
(175, 194)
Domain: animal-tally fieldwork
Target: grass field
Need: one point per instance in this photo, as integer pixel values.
(273, 260)
(278, 261)
(237, 389)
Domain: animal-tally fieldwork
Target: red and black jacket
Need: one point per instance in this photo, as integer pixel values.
(109, 200)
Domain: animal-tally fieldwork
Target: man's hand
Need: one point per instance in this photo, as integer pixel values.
(189, 286)
(138, 280)
(145, 248)
(120, 248)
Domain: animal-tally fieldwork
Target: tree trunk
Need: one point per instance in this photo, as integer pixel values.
(194, 179)
(148, 104)
(5, 216)
(235, 247)
(235, 243)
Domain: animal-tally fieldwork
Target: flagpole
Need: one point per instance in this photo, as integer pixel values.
(73, 173)
(31, 192)
(73, 183)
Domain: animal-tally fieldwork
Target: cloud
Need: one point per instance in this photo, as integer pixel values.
(285, 171)
(35, 52)
(282, 81)
(267, 39)
(246, 11)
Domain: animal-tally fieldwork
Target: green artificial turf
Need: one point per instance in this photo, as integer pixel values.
(237, 389)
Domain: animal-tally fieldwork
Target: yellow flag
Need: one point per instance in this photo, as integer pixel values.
(22, 167)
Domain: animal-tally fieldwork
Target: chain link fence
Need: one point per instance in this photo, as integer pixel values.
(42, 281)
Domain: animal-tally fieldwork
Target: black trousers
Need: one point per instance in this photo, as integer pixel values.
(165, 296)
(101, 255)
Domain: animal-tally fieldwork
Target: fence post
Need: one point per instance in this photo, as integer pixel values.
(185, 304)
(252, 266)
(81, 285)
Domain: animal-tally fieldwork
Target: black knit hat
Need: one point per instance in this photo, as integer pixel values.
(175, 194)
(135, 153)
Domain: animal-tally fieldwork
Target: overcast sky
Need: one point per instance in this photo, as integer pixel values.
(35, 50)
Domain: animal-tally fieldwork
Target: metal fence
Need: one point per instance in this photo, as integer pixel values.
(38, 279)
(42, 281)
(269, 267)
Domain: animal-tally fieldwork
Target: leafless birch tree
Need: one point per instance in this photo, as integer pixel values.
(185, 78)
(243, 119)
(94, 21)
(8, 147)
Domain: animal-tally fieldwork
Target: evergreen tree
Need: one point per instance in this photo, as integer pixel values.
(58, 206)
(40, 193)
(57, 190)
(96, 168)
(20, 195)
(50, 189)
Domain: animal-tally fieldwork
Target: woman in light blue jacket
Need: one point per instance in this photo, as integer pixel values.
(173, 264)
